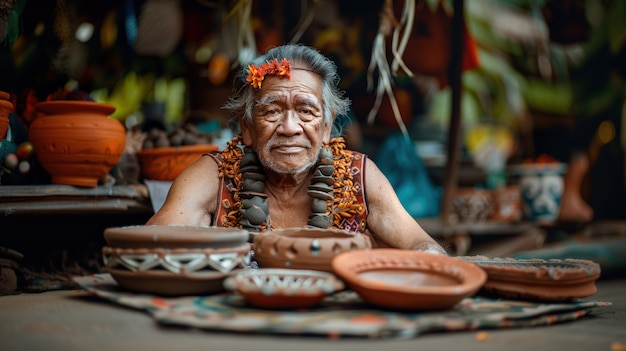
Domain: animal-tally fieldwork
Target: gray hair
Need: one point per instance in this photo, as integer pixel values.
(242, 101)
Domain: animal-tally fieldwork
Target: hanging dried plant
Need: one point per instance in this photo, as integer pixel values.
(240, 17)
(400, 31)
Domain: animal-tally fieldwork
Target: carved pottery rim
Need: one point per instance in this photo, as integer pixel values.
(292, 247)
(539, 279)
(262, 287)
(178, 261)
(538, 271)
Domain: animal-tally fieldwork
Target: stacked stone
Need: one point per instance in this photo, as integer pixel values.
(321, 190)
(254, 204)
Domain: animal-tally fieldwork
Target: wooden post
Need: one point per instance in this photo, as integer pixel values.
(454, 133)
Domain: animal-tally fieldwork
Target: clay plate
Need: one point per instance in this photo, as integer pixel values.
(174, 236)
(538, 279)
(407, 279)
(305, 248)
(283, 288)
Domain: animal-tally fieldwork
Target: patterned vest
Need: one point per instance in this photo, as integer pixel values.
(349, 210)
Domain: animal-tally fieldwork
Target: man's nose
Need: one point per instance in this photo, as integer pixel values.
(290, 124)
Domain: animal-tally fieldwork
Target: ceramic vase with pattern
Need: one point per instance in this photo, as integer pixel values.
(541, 188)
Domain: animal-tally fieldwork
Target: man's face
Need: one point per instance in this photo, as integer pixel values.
(288, 127)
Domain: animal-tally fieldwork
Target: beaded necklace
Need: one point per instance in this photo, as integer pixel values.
(332, 190)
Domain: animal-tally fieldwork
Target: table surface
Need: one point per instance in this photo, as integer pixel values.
(75, 320)
(63, 199)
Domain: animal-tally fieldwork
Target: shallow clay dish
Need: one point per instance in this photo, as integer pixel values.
(538, 279)
(174, 236)
(283, 288)
(407, 279)
(305, 248)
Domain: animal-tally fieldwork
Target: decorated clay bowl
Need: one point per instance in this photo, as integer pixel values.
(166, 163)
(538, 279)
(283, 288)
(174, 260)
(305, 248)
(407, 279)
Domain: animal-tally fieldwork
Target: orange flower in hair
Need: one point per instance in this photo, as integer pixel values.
(256, 74)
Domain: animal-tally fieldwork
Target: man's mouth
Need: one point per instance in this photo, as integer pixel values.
(288, 148)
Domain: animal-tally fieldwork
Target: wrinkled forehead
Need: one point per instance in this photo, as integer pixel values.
(304, 85)
(277, 97)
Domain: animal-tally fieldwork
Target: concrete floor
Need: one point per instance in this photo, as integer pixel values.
(74, 320)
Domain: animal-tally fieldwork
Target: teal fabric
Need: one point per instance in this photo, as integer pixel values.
(397, 158)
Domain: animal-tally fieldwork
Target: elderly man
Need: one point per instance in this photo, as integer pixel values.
(284, 169)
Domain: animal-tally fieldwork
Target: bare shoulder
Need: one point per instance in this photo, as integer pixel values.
(375, 179)
(192, 198)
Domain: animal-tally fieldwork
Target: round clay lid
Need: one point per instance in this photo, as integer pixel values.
(174, 236)
(539, 279)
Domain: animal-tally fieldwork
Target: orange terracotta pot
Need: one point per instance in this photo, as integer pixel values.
(76, 142)
(166, 163)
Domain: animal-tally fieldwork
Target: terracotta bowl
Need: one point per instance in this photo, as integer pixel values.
(76, 141)
(166, 163)
(407, 279)
(539, 279)
(174, 260)
(305, 248)
(283, 288)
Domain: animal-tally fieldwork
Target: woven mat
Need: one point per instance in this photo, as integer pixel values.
(340, 315)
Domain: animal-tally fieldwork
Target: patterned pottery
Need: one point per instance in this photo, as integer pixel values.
(507, 205)
(538, 279)
(305, 248)
(76, 141)
(166, 163)
(283, 288)
(174, 260)
(473, 204)
(541, 188)
(408, 280)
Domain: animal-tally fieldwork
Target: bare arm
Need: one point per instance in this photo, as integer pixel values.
(389, 224)
(192, 197)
